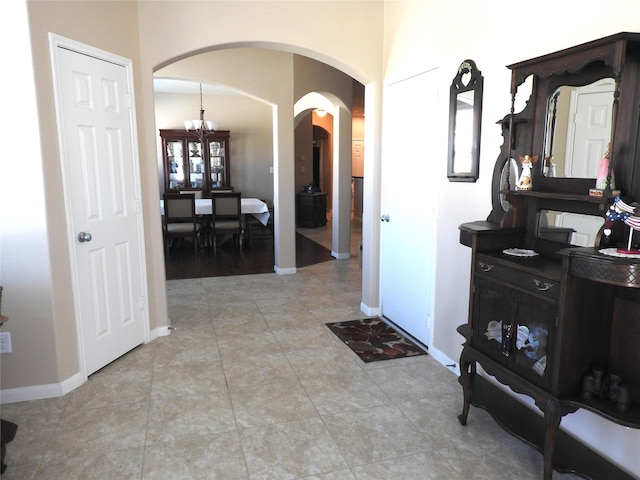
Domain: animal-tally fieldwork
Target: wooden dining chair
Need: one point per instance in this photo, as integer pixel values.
(179, 219)
(196, 193)
(226, 216)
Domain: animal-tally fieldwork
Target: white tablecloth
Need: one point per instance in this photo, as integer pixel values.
(253, 206)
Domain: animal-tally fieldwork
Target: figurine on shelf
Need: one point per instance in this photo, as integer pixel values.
(524, 182)
(603, 173)
(550, 167)
(623, 211)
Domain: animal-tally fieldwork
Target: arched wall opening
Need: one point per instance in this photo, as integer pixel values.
(237, 68)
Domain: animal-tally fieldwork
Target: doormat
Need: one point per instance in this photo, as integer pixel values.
(373, 340)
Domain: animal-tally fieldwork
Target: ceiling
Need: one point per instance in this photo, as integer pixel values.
(171, 85)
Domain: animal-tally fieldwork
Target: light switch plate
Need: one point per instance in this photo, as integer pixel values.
(5, 342)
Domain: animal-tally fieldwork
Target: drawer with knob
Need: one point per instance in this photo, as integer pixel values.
(514, 277)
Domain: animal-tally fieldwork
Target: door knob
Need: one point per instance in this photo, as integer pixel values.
(384, 218)
(84, 237)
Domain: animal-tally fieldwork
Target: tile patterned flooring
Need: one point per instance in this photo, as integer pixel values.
(252, 385)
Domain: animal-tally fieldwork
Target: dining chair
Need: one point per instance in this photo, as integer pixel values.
(196, 193)
(226, 216)
(179, 219)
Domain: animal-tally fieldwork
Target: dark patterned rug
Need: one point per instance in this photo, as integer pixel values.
(373, 340)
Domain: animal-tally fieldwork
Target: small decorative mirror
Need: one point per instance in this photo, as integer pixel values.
(465, 115)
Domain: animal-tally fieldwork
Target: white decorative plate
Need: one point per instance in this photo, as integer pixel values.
(519, 252)
(613, 252)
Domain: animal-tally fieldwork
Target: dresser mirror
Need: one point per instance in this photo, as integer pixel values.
(578, 129)
(465, 116)
(569, 228)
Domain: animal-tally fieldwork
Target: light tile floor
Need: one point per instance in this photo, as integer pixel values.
(252, 385)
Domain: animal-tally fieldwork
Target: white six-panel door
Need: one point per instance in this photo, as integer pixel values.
(99, 162)
(408, 205)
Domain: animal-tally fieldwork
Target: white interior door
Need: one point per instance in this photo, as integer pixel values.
(408, 220)
(589, 128)
(95, 124)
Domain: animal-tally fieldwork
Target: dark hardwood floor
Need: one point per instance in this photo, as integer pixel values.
(229, 260)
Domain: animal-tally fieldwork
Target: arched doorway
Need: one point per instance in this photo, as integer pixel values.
(235, 63)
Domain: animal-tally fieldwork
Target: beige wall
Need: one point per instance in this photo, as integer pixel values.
(45, 348)
(251, 143)
(45, 352)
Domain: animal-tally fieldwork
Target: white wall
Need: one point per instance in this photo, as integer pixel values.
(423, 35)
(25, 270)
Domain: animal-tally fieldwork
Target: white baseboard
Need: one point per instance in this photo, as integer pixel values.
(443, 359)
(374, 312)
(52, 390)
(284, 271)
(340, 256)
(37, 392)
(164, 331)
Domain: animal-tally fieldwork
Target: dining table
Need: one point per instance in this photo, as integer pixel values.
(248, 206)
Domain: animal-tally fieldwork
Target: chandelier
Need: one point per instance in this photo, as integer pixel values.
(200, 127)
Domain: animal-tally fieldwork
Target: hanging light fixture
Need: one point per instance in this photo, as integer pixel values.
(200, 127)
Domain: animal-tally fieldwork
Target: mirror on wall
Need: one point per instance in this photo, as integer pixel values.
(578, 129)
(570, 228)
(465, 115)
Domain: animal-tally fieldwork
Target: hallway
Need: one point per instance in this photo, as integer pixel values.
(252, 385)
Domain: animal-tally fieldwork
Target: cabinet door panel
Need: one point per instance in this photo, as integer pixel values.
(174, 156)
(217, 164)
(196, 165)
(534, 328)
(490, 315)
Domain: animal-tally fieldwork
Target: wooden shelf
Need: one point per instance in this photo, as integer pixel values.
(571, 197)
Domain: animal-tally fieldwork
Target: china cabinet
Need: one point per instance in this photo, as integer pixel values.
(194, 166)
(553, 314)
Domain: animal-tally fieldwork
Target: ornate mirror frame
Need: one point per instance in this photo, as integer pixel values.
(465, 118)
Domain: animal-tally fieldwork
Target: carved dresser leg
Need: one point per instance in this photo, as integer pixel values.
(466, 371)
(552, 419)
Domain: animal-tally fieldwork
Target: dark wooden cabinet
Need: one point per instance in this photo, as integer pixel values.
(190, 165)
(563, 324)
(311, 209)
(514, 317)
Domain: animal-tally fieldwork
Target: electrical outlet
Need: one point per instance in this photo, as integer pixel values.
(5, 342)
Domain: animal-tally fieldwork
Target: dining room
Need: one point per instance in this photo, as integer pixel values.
(213, 137)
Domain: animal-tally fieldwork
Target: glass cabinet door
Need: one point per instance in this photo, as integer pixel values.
(534, 322)
(175, 163)
(216, 157)
(491, 319)
(196, 165)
